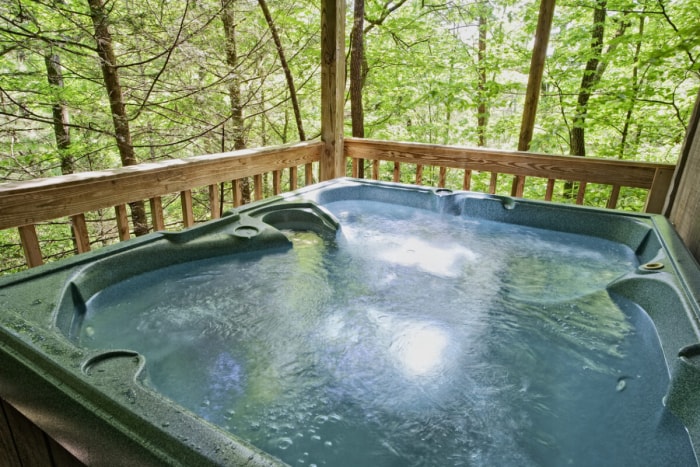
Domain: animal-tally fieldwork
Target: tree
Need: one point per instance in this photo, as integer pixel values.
(285, 67)
(357, 58)
(593, 72)
(110, 73)
(61, 122)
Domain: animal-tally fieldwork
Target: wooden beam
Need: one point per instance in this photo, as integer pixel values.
(332, 88)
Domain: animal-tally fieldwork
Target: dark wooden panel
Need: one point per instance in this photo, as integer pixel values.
(685, 193)
(23, 444)
(61, 457)
(8, 453)
(30, 441)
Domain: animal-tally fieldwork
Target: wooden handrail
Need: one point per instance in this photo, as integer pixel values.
(33, 201)
(25, 204)
(652, 176)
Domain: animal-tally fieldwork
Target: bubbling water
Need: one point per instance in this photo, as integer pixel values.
(413, 338)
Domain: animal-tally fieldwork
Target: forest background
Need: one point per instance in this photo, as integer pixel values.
(95, 84)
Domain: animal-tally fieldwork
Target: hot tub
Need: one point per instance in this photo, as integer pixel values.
(366, 323)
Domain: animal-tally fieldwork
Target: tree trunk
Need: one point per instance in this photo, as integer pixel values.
(234, 87)
(110, 73)
(61, 122)
(595, 67)
(635, 90)
(482, 115)
(357, 53)
(285, 67)
(591, 76)
(534, 84)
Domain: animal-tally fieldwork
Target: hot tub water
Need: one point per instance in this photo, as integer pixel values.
(413, 338)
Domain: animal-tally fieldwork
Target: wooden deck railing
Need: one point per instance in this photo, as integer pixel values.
(653, 177)
(23, 205)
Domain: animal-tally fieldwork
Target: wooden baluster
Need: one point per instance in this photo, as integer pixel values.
(467, 181)
(355, 167)
(309, 174)
(375, 170)
(442, 178)
(518, 186)
(493, 182)
(258, 186)
(187, 213)
(276, 182)
(30, 245)
(581, 193)
(237, 187)
(397, 172)
(550, 189)
(614, 195)
(214, 201)
(80, 233)
(123, 221)
(293, 178)
(419, 174)
(157, 213)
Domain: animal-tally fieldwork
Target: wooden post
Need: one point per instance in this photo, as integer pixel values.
(658, 191)
(332, 88)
